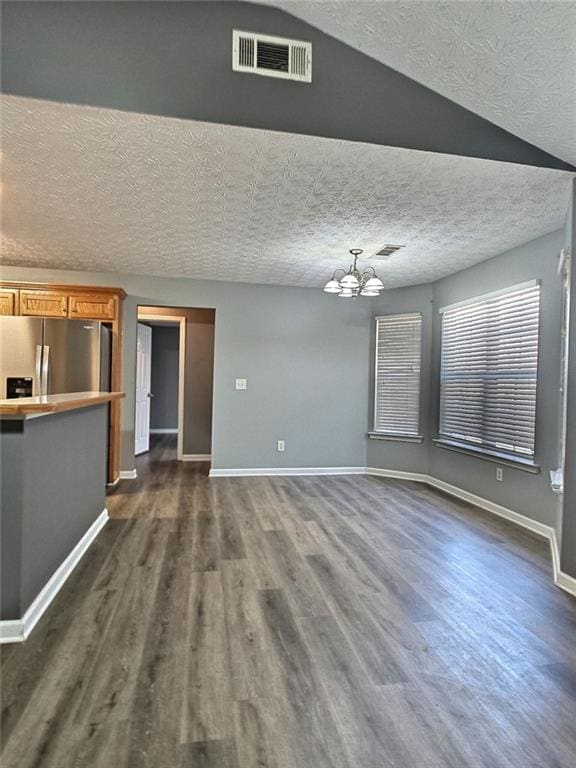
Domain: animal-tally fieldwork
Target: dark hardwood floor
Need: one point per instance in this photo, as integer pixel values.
(311, 622)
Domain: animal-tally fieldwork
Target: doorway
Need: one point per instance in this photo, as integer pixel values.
(143, 389)
(174, 380)
(160, 353)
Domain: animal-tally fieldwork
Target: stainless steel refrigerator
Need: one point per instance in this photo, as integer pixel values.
(41, 356)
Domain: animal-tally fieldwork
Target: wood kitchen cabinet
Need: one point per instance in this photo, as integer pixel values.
(82, 302)
(43, 304)
(92, 307)
(9, 301)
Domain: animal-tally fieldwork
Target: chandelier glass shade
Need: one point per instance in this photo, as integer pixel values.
(352, 283)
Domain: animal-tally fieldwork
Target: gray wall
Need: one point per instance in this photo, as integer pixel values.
(308, 359)
(568, 551)
(198, 385)
(525, 493)
(49, 497)
(165, 364)
(305, 355)
(394, 454)
(11, 504)
(174, 59)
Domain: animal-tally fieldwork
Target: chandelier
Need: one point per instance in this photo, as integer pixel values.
(354, 283)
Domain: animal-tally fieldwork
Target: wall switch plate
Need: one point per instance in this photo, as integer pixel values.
(499, 474)
(241, 383)
(280, 445)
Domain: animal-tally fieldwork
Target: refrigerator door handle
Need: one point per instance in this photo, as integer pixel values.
(45, 369)
(37, 390)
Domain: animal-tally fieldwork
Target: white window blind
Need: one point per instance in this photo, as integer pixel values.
(489, 371)
(398, 353)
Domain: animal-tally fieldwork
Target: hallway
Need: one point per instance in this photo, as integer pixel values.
(296, 622)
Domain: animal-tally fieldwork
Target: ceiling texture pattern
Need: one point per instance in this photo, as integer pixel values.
(97, 189)
(512, 62)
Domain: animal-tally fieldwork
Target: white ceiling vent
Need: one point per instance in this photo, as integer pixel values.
(271, 56)
(386, 251)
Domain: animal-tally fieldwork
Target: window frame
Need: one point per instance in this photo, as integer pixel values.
(502, 456)
(407, 437)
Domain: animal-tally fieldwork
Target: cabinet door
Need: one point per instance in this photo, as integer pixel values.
(92, 306)
(9, 301)
(43, 304)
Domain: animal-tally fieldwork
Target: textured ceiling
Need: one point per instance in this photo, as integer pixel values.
(513, 63)
(96, 189)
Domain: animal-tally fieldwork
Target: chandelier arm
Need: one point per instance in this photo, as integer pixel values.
(362, 277)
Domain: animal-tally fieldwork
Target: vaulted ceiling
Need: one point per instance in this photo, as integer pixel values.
(513, 63)
(96, 189)
(99, 188)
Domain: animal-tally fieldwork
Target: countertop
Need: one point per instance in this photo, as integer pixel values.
(25, 406)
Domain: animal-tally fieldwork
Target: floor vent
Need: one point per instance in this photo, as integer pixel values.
(387, 250)
(271, 56)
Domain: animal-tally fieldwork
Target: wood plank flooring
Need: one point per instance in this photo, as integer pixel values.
(312, 622)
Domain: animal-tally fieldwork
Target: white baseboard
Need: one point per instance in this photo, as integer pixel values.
(16, 631)
(196, 457)
(566, 582)
(397, 474)
(497, 509)
(128, 474)
(283, 471)
(555, 555)
(561, 579)
(526, 522)
(164, 431)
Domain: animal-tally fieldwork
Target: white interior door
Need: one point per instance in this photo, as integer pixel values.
(143, 394)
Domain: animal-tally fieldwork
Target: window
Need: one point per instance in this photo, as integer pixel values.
(489, 372)
(398, 352)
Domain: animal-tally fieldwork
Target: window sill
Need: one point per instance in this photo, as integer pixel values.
(526, 465)
(398, 438)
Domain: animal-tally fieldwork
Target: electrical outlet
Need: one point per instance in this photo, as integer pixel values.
(280, 446)
(241, 384)
(499, 474)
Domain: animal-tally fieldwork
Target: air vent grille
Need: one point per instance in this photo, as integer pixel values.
(387, 250)
(246, 52)
(299, 60)
(271, 56)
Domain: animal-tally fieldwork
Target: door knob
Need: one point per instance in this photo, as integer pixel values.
(150, 394)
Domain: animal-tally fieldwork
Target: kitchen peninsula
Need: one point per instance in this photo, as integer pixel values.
(52, 493)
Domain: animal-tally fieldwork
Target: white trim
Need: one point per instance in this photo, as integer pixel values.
(561, 579)
(491, 295)
(180, 321)
(282, 471)
(16, 631)
(164, 431)
(128, 474)
(112, 484)
(181, 385)
(555, 555)
(490, 506)
(395, 438)
(196, 457)
(397, 474)
(566, 582)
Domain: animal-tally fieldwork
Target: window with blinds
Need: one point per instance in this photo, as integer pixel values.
(489, 372)
(398, 363)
